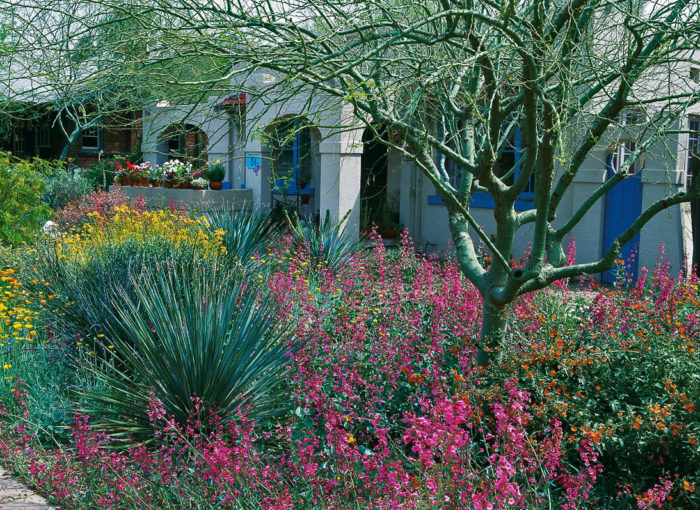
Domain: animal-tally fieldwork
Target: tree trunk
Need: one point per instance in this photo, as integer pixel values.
(71, 141)
(493, 332)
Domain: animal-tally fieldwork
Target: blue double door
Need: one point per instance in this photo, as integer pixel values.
(623, 205)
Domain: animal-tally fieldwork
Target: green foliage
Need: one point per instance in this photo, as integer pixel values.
(45, 375)
(87, 290)
(216, 172)
(65, 186)
(621, 371)
(101, 174)
(246, 232)
(22, 212)
(326, 244)
(190, 333)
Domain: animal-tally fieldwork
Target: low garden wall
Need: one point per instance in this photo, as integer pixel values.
(201, 200)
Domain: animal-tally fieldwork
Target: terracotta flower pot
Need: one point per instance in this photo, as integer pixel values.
(216, 185)
(169, 183)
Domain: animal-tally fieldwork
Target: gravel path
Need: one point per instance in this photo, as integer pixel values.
(16, 496)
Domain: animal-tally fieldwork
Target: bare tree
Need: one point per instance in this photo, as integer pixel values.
(86, 62)
(451, 80)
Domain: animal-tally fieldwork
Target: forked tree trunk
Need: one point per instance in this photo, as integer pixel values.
(70, 143)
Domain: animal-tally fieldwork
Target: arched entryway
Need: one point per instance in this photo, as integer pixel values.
(185, 142)
(378, 205)
(623, 205)
(291, 163)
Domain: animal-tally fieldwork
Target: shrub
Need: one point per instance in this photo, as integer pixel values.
(216, 172)
(66, 186)
(101, 203)
(101, 174)
(245, 232)
(22, 212)
(620, 370)
(170, 229)
(203, 334)
(85, 266)
(326, 244)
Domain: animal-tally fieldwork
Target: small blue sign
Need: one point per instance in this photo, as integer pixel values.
(253, 162)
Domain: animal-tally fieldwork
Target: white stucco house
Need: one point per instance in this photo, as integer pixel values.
(326, 170)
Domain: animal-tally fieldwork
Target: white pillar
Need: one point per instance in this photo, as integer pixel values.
(340, 184)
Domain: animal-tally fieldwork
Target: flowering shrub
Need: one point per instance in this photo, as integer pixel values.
(177, 170)
(593, 405)
(127, 225)
(101, 203)
(131, 170)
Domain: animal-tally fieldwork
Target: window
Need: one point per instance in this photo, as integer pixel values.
(693, 161)
(176, 146)
(621, 154)
(92, 139)
(184, 142)
(695, 75)
(18, 142)
(630, 117)
(510, 158)
(291, 158)
(44, 136)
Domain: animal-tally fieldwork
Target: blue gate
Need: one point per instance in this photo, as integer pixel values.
(623, 205)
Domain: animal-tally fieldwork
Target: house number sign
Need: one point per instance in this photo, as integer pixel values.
(253, 162)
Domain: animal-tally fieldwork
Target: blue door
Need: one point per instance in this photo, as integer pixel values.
(623, 205)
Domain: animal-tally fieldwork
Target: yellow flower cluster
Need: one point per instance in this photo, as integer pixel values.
(16, 318)
(163, 227)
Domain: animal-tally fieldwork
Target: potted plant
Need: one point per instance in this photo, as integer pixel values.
(121, 176)
(155, 176)
(177, 174)
(199, 183)
(143, 171)
(215, 174)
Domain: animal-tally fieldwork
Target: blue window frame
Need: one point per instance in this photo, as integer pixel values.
(510, 157)
(291, 150)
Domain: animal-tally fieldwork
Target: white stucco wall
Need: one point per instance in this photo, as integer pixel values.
(336, 170)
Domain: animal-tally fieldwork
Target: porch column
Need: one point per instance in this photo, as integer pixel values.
(340, 183)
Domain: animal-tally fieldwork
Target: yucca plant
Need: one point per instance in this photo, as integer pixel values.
(246, 232)
(190, 334)
(84, 291)
(327, 244)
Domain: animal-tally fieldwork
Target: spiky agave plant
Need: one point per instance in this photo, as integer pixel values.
(327, 244)
(190, 335)
(246, 232)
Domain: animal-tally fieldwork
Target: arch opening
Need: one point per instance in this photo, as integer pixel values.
(184, 142)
